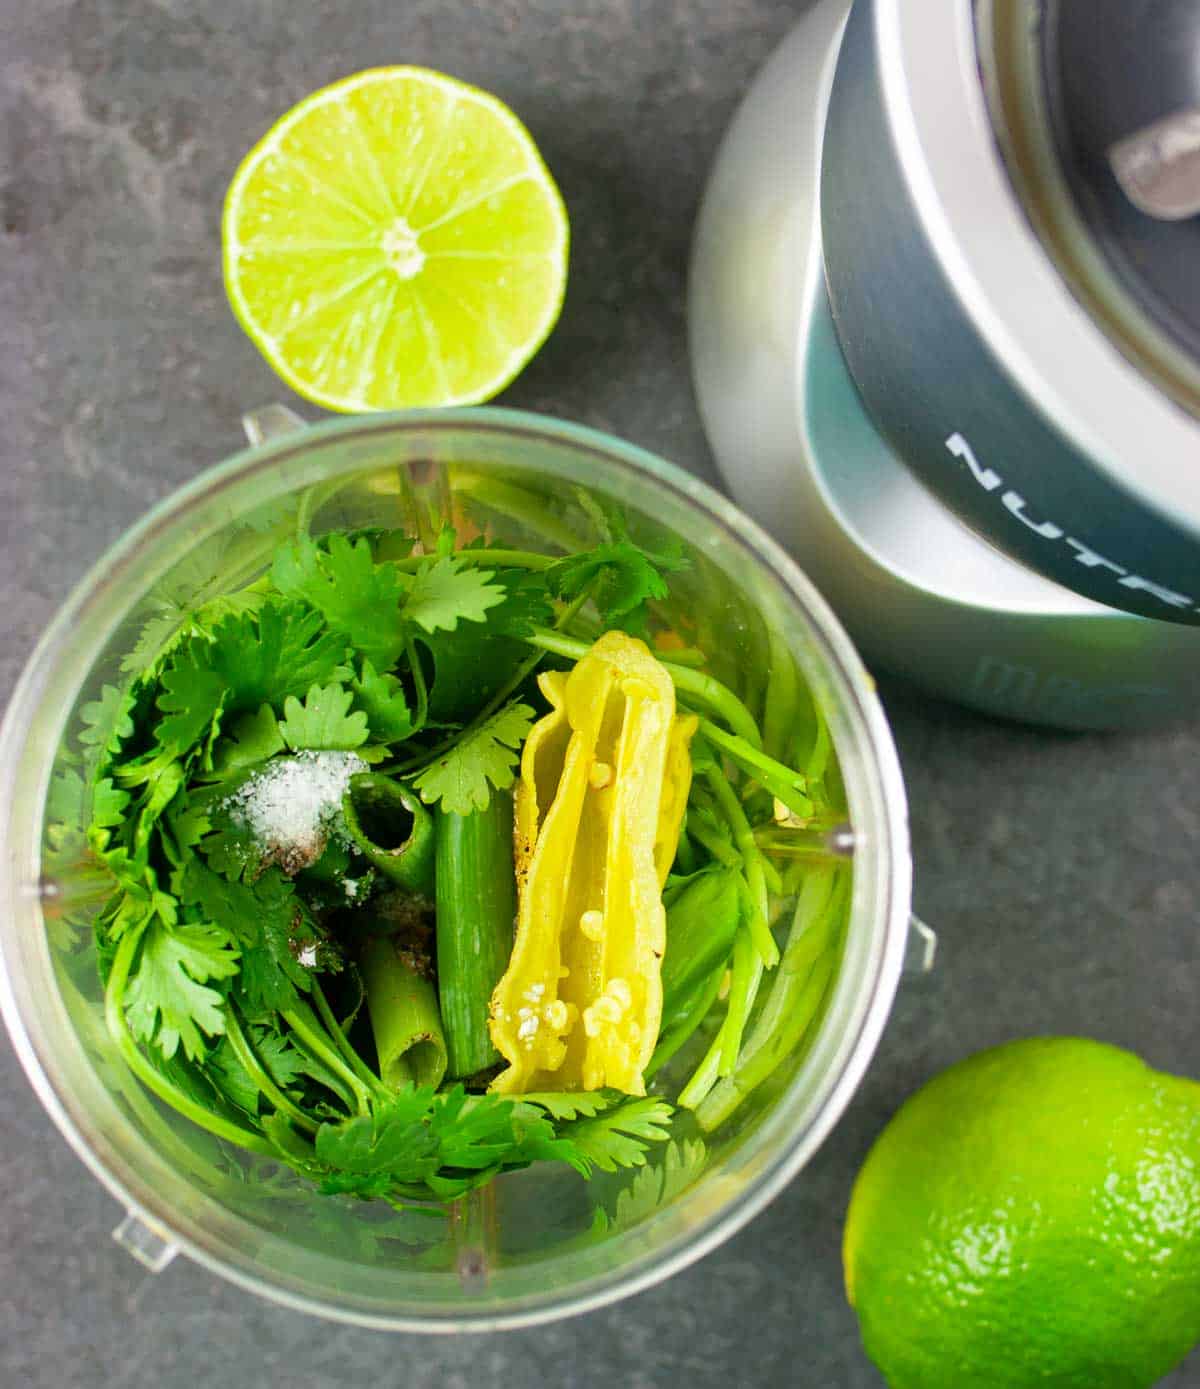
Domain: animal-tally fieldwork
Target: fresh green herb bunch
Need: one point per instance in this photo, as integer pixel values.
(261, 795)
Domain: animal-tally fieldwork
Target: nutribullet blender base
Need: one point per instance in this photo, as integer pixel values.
(922, 594)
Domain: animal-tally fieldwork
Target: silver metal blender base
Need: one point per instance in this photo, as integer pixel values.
(920, 593)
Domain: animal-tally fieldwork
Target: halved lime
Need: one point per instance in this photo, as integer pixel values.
(396, 240)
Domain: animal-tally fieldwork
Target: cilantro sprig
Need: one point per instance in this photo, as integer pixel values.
(212, 783)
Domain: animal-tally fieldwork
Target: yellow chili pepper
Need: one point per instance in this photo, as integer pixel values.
(604, 783)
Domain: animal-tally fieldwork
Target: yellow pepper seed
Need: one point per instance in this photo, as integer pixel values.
(592, 925)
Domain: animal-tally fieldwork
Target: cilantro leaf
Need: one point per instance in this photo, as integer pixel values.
(66, 798)
(446, 1142)
(444, 591)
(159, 794)
(466, 674)
(460, 778)
(660, 1182)
(622, 578)
(66, 839)
(249, 739)
(397, 1138)
(109, 804)
(357, 597)
(107, 720)
(185, 823)
(280, 651)
(158, 635)
(269, 923)
(619, 1137)
(574, 1104)
(284, 1062)
(230, 847)
(526, 604)
(234, 1081)
(191, 698)
(381, 698)
(476, 1132)
(167, 1001)
(249, 660)
(368, 1188)
(180, 618)
(469, 666)
(323, 722)
(289, 1065)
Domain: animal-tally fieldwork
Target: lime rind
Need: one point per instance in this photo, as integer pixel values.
(356, 255)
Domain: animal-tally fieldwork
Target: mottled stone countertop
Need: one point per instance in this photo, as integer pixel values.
(1063, 872)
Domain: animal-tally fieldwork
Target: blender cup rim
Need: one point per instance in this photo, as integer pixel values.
(888, 850)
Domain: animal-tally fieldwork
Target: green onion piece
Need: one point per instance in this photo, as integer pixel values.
(402, 1004)
(798, 988)
(373, 801)
(476, 914)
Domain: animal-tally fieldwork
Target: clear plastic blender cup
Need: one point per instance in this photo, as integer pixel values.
(536, 1253)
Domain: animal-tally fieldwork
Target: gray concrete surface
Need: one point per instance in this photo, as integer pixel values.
(1063, 872)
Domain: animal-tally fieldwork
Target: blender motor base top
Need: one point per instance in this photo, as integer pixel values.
(920, 593)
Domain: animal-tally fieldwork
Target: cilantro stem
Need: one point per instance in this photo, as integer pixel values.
(518, 505)
(338, 1037)
(744, 978)
(685, 854)
(772, 874)
(756, 881)
(498, 559)
(717, 847)
(245, 1053)
(779, 711)
(701, 688)
(782, 782)
(151, 1078)
(308, 1030)
(818, 760)
(796, 994)
(420, 689)
(729, 1036)
(680, 656)
(811, 842)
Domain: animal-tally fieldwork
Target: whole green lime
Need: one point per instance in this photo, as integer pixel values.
(1031, 1218)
